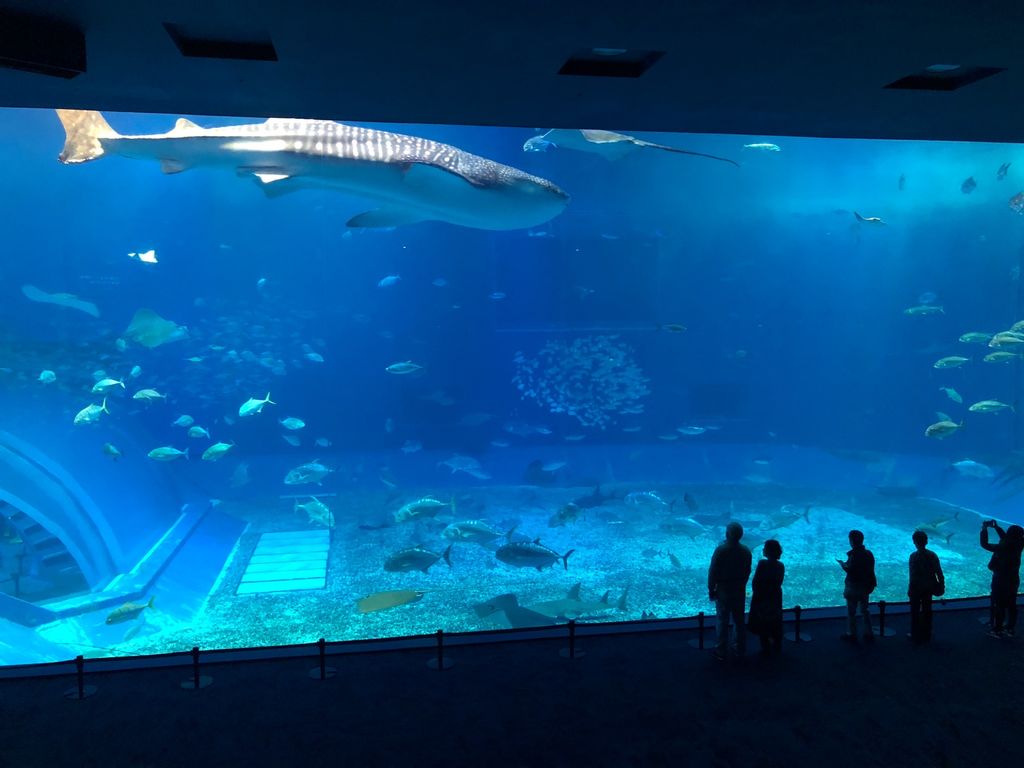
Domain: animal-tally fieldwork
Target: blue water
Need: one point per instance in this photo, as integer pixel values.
(796, 352)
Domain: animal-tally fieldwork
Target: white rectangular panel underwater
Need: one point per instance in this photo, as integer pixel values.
(287, 560)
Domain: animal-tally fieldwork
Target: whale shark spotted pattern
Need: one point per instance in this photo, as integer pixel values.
(412, 179)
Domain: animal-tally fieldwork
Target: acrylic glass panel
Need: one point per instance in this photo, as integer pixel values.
(526, 416)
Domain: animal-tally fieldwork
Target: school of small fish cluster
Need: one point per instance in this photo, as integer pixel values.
(217, 340)
(1007, 346)
(594, 379)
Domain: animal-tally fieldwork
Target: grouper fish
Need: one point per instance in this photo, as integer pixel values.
(127, 612)
(411, 179)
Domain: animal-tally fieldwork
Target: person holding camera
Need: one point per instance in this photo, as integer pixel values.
(860, 582)
(926, 581)
(1005, 567)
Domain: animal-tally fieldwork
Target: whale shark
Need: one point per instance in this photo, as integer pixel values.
(410, 178)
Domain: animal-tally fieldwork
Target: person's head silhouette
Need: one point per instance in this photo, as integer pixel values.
(733, 532)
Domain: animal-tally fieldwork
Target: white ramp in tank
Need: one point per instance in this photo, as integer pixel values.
(287, 560)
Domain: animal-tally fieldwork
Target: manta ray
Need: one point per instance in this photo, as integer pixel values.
(607, 144)
(410, 178)
(150, 330)
(60, 299)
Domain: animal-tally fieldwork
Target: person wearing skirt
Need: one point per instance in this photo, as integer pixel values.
(766, 602)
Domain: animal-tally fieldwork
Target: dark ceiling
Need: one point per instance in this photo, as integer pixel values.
(767, 68)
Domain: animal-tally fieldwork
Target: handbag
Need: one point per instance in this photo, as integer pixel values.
(939, 587)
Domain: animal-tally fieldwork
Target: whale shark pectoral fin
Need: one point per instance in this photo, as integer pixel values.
(169, 165)
(279, 188)
(270, 178)
(184, 124)
(384, 217)
(263, 173)
(273, 181)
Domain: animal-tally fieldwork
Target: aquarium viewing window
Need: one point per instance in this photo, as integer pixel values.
(270, 381)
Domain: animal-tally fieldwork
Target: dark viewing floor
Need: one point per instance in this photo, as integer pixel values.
(637, 700)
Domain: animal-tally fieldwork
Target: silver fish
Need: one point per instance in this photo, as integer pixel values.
(312, 472)
(474, 531)
(416, 559)
(531, 554)
(425, 507)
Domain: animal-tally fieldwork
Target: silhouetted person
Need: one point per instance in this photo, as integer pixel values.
(766, 598)
(1005, 567)
(727, 587)
(926, 580)
(860, 583)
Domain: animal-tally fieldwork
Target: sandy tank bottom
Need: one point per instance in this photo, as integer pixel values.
(617, 547)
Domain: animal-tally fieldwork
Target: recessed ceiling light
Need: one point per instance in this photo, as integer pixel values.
(200, 43)
(610, 62)
(41, 45)
(944, 77)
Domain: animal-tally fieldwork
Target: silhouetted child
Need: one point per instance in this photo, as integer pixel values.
(860, 583)
(766, 600)
(1005, 567)
(926, 581)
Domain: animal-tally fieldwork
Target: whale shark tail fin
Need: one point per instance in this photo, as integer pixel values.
(83, 130)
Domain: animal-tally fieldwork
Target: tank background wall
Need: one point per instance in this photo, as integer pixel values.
(132, 500)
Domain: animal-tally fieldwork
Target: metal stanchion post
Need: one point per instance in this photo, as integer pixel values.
(796, 635)
(571, 652)
(440, 663)
(197, 680)
(80, 689)
(321, 671)
(882, 630)
(698, 641)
